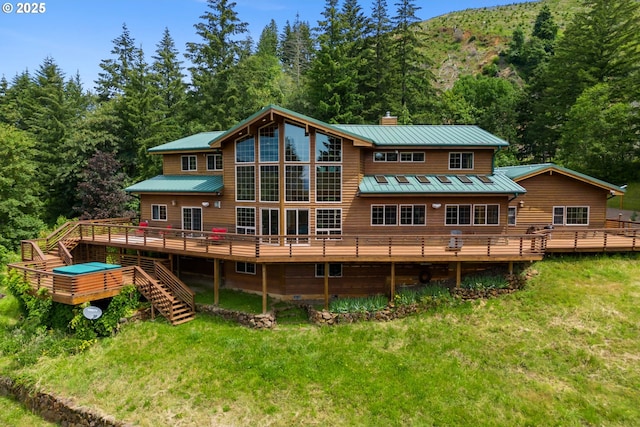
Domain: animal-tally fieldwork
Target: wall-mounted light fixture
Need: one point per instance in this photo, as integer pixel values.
(173, 203)
(217, 204)
(436, 205)
(521, 203)
(205, 204)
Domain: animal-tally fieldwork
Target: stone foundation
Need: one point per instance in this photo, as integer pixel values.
(54, 409)
(254, 321)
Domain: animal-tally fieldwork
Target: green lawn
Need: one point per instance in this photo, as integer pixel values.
(630, 201)
(564, 351)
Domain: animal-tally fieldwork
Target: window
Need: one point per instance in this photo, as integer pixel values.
(486, 214)
(385, 156)
(394, 156)
(328, 222)
(245, 150)
(412, 157)
(296, 143)
(246, 183)
(159, 212)
(460, 160)
(297, 183)
(571, 215)
(412, 215)
(268, 142)
(458, 215)
(214, 162)
(189, 163)
(245, 267)
(513, 211)
(577, 215)
(328, 148)
(335, 270)
(269, 183)
(246, 221)
(384, 215)
(328, 183)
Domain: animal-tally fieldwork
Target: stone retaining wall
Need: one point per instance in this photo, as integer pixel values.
(55, 409)
(255, 321)
(392, 312)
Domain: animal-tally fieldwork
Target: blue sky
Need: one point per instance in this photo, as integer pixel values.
(78, 34)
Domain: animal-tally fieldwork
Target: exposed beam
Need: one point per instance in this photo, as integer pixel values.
(216, 281)
(393, 281)
(264, 288)
(326, 286)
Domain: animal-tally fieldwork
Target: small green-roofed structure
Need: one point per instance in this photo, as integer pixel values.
(500, 184)
(518, 173)
(179, 184)
(197, 142)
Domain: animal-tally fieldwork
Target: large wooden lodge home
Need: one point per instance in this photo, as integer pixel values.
(300, 183)
(285, 205)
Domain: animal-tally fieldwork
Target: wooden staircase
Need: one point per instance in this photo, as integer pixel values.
(167, 294)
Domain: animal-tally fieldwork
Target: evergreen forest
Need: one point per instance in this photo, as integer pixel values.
(561, 84)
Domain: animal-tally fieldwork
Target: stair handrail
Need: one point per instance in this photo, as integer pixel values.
(150, 288)
(179, 289)
(65, 254)
(35, 253)
(60, 233)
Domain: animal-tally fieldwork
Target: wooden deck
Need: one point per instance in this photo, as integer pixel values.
(74, 290)
(311, 249)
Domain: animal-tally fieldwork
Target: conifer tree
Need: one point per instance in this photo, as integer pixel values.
(414, 91)
(116, 71)
(332, 85)
(213, 61)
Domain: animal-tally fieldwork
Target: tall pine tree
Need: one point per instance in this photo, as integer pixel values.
(214, 59)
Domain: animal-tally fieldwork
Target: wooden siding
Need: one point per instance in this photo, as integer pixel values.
(211, 216)
(547, 190)
(357, 220)
(172, 164)
(436, 162)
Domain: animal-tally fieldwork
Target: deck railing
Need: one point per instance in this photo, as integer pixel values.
(254, 246)
(68, 286)
(609, 239)
(31, 250)
(150, 288)
(179, 289)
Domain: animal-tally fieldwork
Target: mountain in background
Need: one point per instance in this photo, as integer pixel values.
(464, 42)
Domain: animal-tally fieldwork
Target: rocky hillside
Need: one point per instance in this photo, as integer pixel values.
(464, 42)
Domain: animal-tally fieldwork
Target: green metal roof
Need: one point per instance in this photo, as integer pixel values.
(298, 116)
(198, 141)
(500, 184)
(518, 173)
(179, 184)
(429, 135)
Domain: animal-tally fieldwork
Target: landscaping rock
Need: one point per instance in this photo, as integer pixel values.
(55, 409)
(254, 321)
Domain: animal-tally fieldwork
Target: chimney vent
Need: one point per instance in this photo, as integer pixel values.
(388, 120)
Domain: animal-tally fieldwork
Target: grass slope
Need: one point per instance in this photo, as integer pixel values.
(562, 352)
(630, 201)
(463, 42)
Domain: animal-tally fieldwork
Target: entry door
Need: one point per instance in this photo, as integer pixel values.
(297, 224)
(192, 219)
(270, 225)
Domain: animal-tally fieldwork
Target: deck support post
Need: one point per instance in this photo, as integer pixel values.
(264, 288)
(216, 281)
(458, 274)
(510, 267)
(393, 281)
(326, 285)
